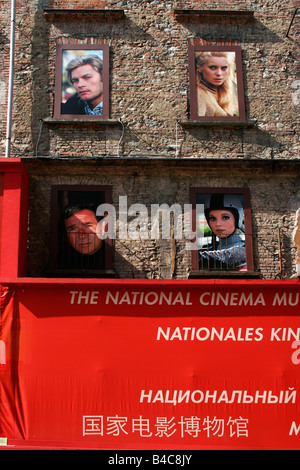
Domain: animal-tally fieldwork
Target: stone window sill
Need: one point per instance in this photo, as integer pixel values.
(214, 274)
(233, 124)
(89, 121)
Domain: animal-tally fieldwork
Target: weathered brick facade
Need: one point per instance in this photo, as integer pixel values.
(149, 150)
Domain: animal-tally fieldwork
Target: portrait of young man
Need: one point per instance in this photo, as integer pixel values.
(82, 82)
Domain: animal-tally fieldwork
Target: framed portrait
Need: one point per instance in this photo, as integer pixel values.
(222, 224)
(76, 245)
(216, 83)
(82, 81)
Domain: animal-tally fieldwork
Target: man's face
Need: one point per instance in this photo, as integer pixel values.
(81, 230)
(88, 84)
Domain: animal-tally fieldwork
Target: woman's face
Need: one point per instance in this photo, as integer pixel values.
(222, 223)
(216, 70)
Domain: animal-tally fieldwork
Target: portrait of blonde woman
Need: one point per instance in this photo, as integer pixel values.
(216, 83)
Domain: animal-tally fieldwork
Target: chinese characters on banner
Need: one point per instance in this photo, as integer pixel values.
(165, 427)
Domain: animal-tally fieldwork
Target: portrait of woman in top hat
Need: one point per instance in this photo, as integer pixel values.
(225, 247)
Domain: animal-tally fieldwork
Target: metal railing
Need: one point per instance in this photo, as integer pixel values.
(270, 253)
(77, 251)
(223, 254)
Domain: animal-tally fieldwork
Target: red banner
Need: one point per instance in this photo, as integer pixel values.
(151, 365)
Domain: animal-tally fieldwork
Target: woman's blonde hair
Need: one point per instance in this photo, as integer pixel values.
(224, 91)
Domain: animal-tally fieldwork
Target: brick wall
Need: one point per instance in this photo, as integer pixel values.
(157, 182)
(149, 79)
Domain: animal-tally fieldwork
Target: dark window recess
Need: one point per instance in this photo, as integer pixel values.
(75, 248)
